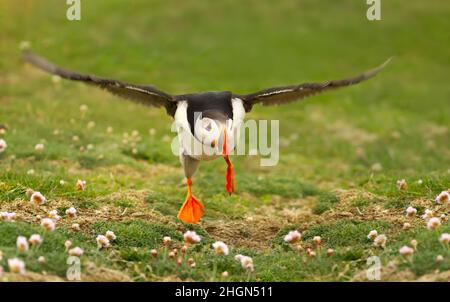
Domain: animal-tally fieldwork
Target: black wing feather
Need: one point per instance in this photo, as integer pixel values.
(143, 94)
(287, 94)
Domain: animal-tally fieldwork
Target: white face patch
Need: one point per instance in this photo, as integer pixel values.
(207, 131)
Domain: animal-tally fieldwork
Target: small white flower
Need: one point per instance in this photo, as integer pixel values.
(445, 238)
(443, 198)
(427, 214)
(317, 240)
(110, 235)
(90, 146)
(377, 167)
(3, 145)
(154, 252)
(433, 223)
(53, 214)
(380, 241)
(75, 138)
(310, 253)
(22, 244)
(35, 239)
(71, 212)
(81, 185)
(420, 181)
(42, 259)
(1, 255)
(102, 241)
(191, 237)
(24, 45)
(330, 252)
(406, 251)
(225, 274)
(293, 237)
(39, 147)
(152, 131)
(109, 130)
(6, 216)
(411, 212)
(56, 79)
(372, 235)
(76, 251)
(220, 248)
(414, 243)
(83, 108)
(76, 227)
(30, 172)
(401, 184)
(37, 198)
(439, 258)
(406, 226)
(91, 125)
(135, 133)
(48, 224)
(167, 240)
(16, 266)
(246, 262)
(67, 244)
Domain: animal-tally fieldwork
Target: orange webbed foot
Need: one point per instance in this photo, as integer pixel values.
(192, 209)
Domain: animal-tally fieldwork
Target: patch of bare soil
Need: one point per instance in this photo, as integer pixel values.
(254, 232)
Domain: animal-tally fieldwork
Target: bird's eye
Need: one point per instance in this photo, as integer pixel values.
(208, 127)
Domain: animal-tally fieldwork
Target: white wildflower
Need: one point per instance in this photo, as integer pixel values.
(48, 224)
(35, 239)
(71, 212)
(16, 266)
(220, 248)
(37, 198)
(39, 147)
(372, 234)
(293, 237)
(191, 237)
(445, 238)
(443, 198)
(433, 223)
(3, 145)
(102, 241)
(110, 235)
(76, 251)
(401, 184)
(167, 240)
(406, 251)
(81, 185)
(22, 244)
(380, 241)
(411, 212)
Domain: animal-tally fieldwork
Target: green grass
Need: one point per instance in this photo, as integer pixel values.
(330, 143)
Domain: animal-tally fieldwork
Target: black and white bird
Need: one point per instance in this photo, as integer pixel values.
(209, 120)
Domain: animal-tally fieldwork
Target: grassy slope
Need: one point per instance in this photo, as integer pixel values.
(323, 185)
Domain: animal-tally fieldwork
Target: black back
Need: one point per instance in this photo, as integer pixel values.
(215, 105)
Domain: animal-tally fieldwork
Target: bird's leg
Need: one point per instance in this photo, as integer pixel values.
(192, 209)
(229, 185)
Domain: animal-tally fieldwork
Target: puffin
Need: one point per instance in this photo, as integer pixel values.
(205, 121)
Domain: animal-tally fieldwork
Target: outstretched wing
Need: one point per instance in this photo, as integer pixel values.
(143, 94)
(287, 94)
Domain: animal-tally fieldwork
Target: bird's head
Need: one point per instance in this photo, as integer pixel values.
(212, 129)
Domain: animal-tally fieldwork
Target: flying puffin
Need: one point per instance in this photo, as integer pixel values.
(209, 119)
